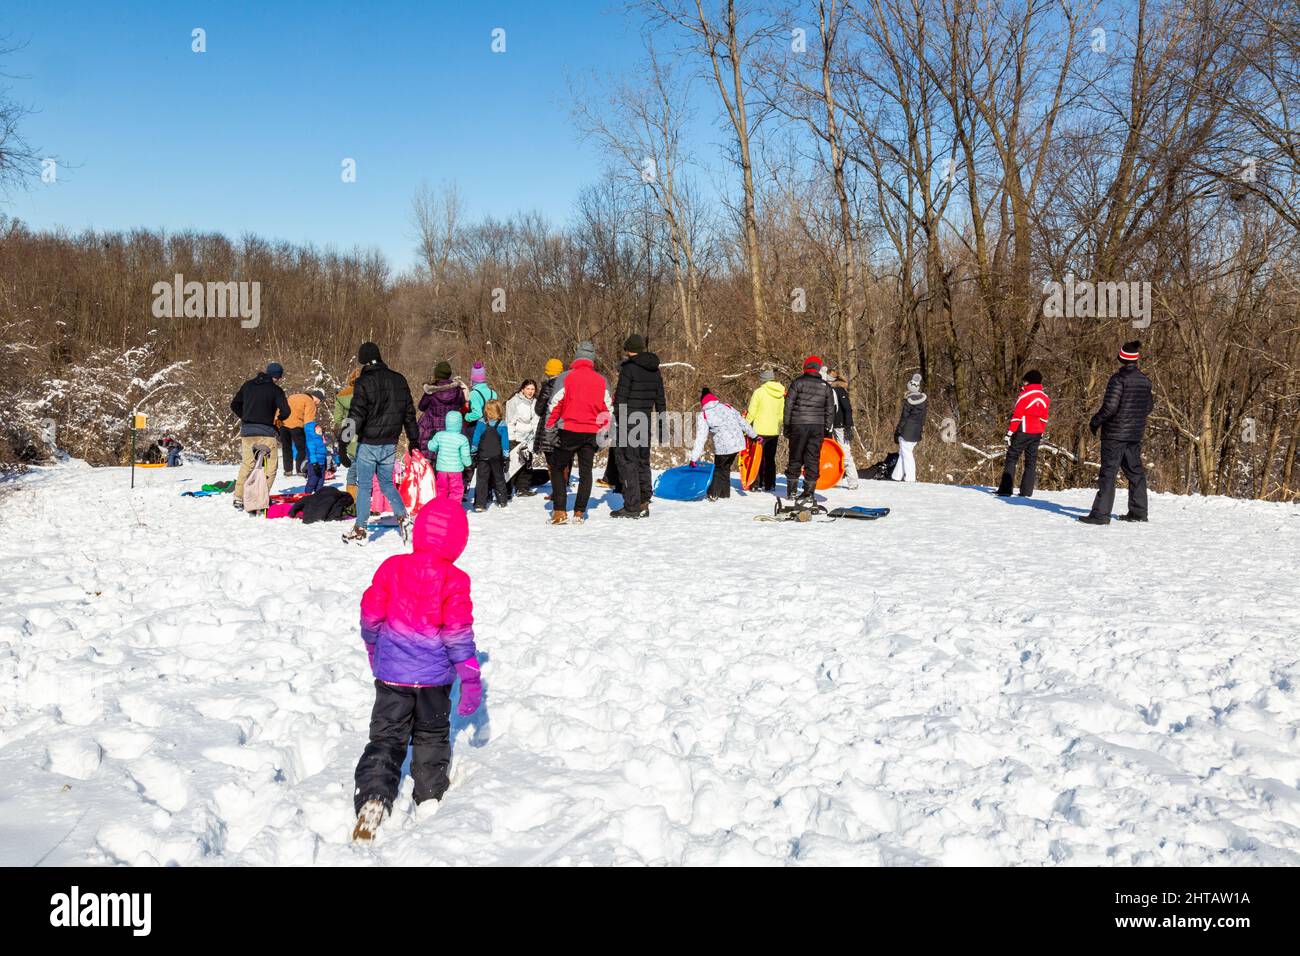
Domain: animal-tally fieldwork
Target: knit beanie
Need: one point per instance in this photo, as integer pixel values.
(442, 371)
(1033, 377)
(914, 384)
(585, 351)
(634, 343)
(1129, 351)
(812, 364)
(368, 353)
(478, 374)
(275, 370)
(767, 375)
(706, 396)
(554, 367)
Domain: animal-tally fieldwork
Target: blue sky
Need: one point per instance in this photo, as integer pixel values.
(250, 136)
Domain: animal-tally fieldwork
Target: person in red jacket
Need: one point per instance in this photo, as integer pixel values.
(579, 407)
(1028, 422)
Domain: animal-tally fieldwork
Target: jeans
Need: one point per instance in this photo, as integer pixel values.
(372, 461)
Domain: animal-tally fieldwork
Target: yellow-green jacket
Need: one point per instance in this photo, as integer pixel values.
(767, 408)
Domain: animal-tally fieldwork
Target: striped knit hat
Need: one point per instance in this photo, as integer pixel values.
(1128, 352)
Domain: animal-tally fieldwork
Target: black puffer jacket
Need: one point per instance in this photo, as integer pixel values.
(810, 401)
(382, 408)
(328, 504)
(640, 393)
(1124, 410)
(257, 403)
(843, 409)
(912, 419)
(546, 438)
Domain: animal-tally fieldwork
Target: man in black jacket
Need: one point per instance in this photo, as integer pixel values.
(809, 418)
(638, 402)
(257, 403)
(381, 411)
(1122, 419)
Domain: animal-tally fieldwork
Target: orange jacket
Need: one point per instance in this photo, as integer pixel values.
(301, 411)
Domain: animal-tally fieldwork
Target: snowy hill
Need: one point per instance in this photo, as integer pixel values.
(970, 680)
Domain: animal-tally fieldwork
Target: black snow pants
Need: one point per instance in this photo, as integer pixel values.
(633, 466)
(1026, 444)
(720, 485)
(767, 465)
(1117, 456)
(805, 456)
(419, 717)
(490, 482)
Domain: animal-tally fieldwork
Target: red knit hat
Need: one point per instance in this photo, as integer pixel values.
(812, 363)
(1130, 351)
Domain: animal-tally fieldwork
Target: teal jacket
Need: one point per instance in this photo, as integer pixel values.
(479, 396)
(450, 447)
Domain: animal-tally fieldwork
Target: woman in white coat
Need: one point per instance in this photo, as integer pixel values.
(521, 428)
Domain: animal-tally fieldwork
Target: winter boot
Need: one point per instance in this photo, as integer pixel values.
(1130, 517)
(624, 513)
(644, 512)
(1094, 519)
(559, 517)
(357, 535)
(372, 814)
(578, 518)
(1004, 487)
(404, 528)
(239, 504)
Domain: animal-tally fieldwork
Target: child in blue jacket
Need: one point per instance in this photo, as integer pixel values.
(489, 446)
(316, 453)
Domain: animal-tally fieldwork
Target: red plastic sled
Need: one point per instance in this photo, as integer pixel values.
(749, 460)
(831, 466)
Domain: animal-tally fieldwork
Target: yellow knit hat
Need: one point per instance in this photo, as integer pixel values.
(554, 367)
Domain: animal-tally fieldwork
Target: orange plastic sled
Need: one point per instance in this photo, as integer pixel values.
(155, 464)
(749, 461)
(831, 465)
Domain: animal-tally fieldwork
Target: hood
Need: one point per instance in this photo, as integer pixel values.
(582, 363)
(647, 360)
(455, 422)
(261, 378)
(441, 530)
(916, 398)
(773, 388)
(444, 390)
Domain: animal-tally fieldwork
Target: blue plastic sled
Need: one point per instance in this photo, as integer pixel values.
(684, 483)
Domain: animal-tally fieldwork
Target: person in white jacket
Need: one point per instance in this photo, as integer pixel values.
(728, 429)
(521, 428)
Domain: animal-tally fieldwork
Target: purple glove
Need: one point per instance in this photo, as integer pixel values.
(471, 689)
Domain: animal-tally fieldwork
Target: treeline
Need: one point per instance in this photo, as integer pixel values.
(901, 179)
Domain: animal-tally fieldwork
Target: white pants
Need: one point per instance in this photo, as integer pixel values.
(850, 469)
(905, 469)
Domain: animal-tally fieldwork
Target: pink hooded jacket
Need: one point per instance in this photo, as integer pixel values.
(416, 617)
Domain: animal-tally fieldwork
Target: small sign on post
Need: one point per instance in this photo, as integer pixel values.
(138, 423)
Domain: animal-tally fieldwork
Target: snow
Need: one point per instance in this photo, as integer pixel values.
(968, 681)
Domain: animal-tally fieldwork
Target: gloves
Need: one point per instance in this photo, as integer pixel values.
(1094, 425)
(1007, 440)
(471, 688)
(693, 463)
(758, 440)
(344, 460)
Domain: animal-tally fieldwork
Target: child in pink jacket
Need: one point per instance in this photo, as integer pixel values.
(417, 622)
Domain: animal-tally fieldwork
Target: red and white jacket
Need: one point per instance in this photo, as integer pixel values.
(1030, 414)
(582, 402)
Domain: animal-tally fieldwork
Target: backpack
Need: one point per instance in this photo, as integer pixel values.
(257, 490)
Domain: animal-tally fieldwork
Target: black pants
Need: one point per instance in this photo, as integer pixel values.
(419, 717)
(569, 444)
(1026, 444)
(294, 442)
(805, 456)
(634, 469)
(491, 481)
(613, 475)
(1117, 456)
(720, 484)
(767, 465)
(521, 484)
